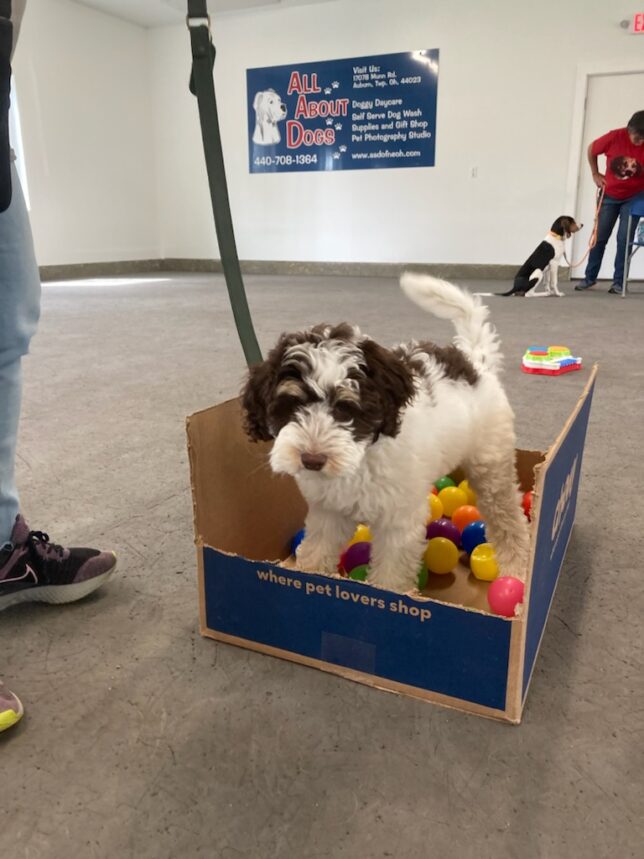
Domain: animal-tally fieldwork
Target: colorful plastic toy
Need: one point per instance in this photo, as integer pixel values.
(465, 515)
(359, 574)
(435, 507)
(549, 360)
(441, 555)
(442, 482)
(362, 535)
(467, 489)
(444, 528)
(297, 539)
(356, 555)
(504, 595)
(452, 498)
(483, 562)
(526, 503)
(473, 535)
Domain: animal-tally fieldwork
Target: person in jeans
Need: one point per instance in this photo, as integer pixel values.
(32, 568)
(623, 183)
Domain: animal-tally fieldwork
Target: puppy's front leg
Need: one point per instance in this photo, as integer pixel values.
(397, 552)
(327, 533)
(554, 279)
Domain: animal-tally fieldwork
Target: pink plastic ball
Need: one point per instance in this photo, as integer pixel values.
(504, 595)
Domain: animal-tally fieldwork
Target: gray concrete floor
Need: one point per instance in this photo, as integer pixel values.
(143, 740)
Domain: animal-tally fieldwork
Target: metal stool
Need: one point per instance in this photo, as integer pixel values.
(636, 212)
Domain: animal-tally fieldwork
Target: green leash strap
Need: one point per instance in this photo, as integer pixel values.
(202, 85)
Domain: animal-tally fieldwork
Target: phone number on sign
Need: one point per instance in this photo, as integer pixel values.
(280, 160)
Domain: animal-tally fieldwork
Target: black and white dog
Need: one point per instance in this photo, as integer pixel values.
(543, 263)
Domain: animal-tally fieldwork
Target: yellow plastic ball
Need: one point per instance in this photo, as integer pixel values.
(441, 555)
(483, 562)
(467, 489)
(362, 535)
(435, 507)
(452, 498)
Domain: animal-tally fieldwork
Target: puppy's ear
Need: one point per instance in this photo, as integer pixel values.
(255, 400)
(257, 100)
(390, 380)
(558, 226)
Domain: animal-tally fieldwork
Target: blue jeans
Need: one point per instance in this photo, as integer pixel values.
(611, 210)
(19, 312)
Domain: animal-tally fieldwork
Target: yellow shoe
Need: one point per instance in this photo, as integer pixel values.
(10, 708)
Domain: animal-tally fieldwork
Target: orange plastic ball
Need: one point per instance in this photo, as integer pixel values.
(464, 515)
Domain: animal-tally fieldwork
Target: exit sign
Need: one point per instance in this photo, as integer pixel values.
(637, 25)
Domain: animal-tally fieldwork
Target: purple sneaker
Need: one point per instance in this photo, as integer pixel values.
(34, 570)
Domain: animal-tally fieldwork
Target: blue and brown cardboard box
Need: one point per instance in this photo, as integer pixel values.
(443, 646)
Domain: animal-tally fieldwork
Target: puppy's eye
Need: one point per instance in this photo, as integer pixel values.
(345, 410)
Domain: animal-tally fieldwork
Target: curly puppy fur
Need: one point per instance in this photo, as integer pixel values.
(365, 430)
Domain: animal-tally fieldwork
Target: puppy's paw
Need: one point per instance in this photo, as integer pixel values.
(392, 579)
(512, 562)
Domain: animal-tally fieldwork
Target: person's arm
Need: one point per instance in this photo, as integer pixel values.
(598, 178)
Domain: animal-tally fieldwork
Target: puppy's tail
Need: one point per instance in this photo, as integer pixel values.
(474, 334)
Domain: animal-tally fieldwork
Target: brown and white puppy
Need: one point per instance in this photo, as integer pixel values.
(365, 430)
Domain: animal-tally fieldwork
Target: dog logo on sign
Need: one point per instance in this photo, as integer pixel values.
(269, 110)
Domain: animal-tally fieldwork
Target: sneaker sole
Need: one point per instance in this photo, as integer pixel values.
(58, 594)
(8, 718)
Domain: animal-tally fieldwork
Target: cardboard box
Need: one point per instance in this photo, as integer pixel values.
(444, 647)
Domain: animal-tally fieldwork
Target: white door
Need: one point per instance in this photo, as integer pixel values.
(612, 100)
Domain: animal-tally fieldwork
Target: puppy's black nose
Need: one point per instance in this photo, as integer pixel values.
(313, 461)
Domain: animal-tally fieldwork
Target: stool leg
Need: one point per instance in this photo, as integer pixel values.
(627, 255)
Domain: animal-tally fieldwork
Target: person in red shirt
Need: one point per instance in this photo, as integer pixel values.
(623, 183)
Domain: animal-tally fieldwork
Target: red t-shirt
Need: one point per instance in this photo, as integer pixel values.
(624, 163)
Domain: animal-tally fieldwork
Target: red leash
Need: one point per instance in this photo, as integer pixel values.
(592, 241)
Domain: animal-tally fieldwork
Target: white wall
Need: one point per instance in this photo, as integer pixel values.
(506, 89)
(84, 95)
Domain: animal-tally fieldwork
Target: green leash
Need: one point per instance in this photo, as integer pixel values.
(202, 85)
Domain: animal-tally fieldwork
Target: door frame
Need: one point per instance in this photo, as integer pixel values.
(576, 157)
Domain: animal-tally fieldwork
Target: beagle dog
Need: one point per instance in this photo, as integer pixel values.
(269, 110)
(542, 265)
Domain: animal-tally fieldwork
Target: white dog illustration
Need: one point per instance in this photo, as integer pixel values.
(269, 110)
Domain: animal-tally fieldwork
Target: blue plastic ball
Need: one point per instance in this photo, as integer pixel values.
(297, 539)
(473, 535)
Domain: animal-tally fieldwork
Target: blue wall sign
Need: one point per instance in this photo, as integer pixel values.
(350, 114)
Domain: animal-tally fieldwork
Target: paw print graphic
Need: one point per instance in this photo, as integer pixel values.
(335, 84)
(338, 126)
(327, 90)
(329, 121)
(342, 148)
(336, 156)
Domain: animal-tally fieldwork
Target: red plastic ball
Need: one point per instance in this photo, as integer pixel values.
(526, 503)
(504, 595)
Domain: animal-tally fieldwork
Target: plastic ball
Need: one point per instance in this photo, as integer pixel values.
(443, 528)
(435, 507)
(467, 489)
(434, 490)
(465, 515)
(483, 562)
(359, 574)
(423, 574)
(362, 535)
(526, 503)
(473, 535)
(452, 498)
(356, 555)
(441, 555)
(297, 539)
(442, 482)
(504, 595)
